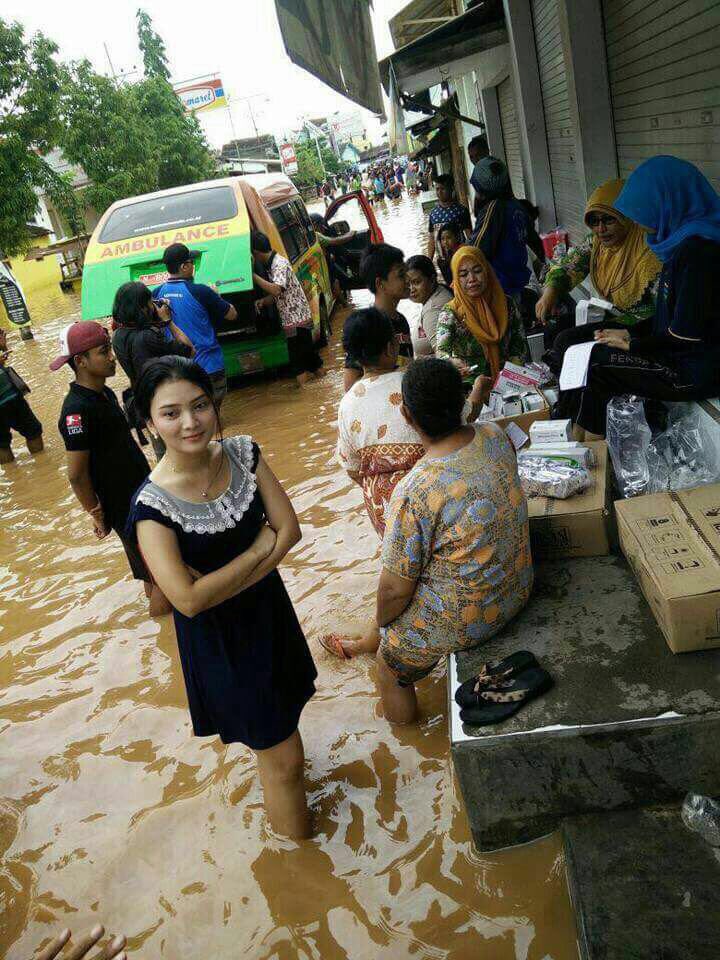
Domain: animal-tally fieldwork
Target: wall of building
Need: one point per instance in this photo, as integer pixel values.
(36, 275)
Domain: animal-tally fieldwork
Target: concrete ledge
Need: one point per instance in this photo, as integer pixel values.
(643, 887)
(628, 724)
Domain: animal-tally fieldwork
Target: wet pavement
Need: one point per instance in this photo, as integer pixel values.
(111, 811)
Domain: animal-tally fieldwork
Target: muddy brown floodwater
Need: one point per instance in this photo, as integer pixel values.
(112, 811)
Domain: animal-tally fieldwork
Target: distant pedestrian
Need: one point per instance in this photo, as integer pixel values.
(105, 465)
(296, 316)
(15, 412)
(197, 310)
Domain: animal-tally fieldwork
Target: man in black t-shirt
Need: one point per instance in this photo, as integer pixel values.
(105, 465)
(383, 271)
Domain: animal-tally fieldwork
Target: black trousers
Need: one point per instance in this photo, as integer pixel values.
(303, 353)
(573, 335)
(613, 373)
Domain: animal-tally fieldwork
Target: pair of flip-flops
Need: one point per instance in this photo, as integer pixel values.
(500, 689)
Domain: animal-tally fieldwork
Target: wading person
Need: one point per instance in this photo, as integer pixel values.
(144, 330)
(384, 274)
(197, 310)
(456, 563)
(284, 288)
(213, 524)
(15, 412)
(105, 465)
(377, 445)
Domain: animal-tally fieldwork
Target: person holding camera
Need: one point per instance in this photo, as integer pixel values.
(144, 330)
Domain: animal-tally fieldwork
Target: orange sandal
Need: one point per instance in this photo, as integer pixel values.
(332, 642)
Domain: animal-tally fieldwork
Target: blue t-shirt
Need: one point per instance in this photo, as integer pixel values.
(197, 309)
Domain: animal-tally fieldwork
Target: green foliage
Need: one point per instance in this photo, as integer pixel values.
(151, 47)
(310, 170)
(182, 152)
(29, 126)
(105, 133)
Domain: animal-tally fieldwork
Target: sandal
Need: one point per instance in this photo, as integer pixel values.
(493, 675)
(494, 706)
(332, 642)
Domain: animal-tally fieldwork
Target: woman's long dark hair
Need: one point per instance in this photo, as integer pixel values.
(433, 394)
(131, 300)
(163, 370)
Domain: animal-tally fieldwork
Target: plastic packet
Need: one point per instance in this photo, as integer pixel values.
(702, 815)
(679, 457)
(628, 438)
(543, 477)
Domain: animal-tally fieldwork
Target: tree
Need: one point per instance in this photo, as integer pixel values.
(105, 133)
(152, 48)
(310, 170)
(29, 127)
(183, 153)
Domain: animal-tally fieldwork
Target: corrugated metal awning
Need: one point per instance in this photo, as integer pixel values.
(479, 28)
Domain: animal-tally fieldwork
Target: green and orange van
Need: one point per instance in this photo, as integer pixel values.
(214, 217)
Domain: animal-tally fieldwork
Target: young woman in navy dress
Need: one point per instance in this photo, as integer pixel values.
(213, 523)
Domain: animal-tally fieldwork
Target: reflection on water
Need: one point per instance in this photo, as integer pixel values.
(112, 811)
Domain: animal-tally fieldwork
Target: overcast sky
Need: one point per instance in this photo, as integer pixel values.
(240, 40)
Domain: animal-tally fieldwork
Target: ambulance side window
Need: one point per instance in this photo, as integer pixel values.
(284, 221)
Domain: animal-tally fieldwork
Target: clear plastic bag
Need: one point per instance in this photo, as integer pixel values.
(679, 457)
(542, 477)
(628, 439)
(702, 815)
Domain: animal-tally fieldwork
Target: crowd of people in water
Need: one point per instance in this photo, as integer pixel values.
(206, 528)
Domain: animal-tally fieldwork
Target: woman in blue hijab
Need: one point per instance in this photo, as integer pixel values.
(675, 354)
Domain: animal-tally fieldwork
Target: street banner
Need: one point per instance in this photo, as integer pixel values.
(288, 158)
(205, 95)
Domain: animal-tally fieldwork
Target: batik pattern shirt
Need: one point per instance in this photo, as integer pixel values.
(375, 441)
(564, 273)
(458, 525)
(454, 340)
(292, 303)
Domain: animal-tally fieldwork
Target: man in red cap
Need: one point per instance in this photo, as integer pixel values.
(105, 465)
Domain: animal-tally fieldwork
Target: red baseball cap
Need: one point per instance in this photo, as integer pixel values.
(77, 338)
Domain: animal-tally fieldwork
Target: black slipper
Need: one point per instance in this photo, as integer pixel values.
(501, 704)
(491, 674)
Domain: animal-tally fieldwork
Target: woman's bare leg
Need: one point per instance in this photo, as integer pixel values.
(281, 771)
(399, 703)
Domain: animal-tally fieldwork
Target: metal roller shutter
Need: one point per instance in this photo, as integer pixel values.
(511, 135)
(567, 188)
(665, 80)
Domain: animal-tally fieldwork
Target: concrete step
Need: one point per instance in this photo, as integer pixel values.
(643, 887)
(627, 725)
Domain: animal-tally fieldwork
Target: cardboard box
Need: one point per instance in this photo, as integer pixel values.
(523, 420)
(547, 431)
(578, 526)
(672, 542)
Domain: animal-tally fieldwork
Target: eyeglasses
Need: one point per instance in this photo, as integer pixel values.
(594, 221)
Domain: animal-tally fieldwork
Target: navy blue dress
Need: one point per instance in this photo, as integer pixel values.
(247, 667)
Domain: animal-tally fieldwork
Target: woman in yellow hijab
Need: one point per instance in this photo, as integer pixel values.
(480, 328)
(622, 267)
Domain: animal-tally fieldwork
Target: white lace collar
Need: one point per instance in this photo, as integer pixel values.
(217, 515)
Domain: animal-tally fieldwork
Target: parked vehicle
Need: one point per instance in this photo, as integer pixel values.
(214, 217)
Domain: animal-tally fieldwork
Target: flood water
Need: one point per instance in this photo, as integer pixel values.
(111, 811)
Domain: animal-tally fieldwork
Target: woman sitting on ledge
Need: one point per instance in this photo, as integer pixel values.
(456, 553)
